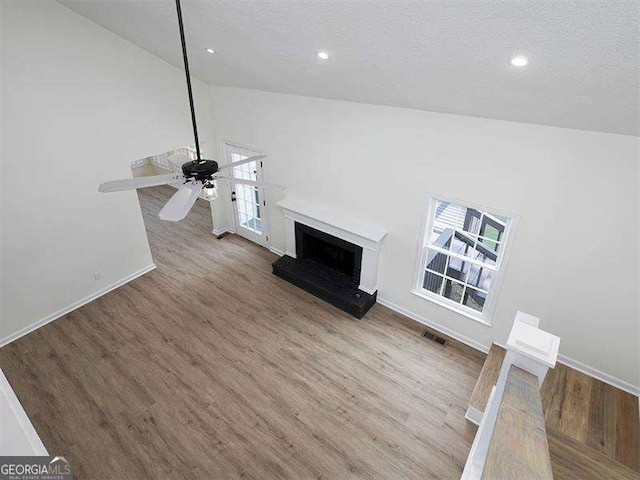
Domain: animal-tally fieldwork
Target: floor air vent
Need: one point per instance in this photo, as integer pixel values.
(433, 337)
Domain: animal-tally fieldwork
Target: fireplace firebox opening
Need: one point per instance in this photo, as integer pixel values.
(330, 251)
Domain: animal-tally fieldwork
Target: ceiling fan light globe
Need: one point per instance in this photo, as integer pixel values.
(211, 192)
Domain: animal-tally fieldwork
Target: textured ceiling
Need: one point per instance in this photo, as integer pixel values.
(442, 56)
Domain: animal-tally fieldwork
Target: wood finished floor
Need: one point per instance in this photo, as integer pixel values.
(210, 367)
(580, 410)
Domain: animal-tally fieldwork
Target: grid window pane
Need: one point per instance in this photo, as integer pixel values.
(458, 269)
(473, 221)
(432, 282)
(462, 251)
(474, 299)
(434, 236)
(480, 277)
(449, 215)
(436, 261)
(490, 231)
(463, 245)
(244, 193)
(453, 290)
(488, 244)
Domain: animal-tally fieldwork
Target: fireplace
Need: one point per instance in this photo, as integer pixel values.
(333, 252)
(330, 256)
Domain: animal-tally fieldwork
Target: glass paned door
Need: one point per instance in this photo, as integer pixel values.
(249, 205)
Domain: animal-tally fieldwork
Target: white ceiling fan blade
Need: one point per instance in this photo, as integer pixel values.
(138, 182)
(241, 162)
(251, 183)
(179, 205)
(178, 159)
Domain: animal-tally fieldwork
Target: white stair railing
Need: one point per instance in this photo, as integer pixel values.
(528, 348)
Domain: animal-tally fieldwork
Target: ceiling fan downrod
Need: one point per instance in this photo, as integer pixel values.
(188, 75)
(197, 175)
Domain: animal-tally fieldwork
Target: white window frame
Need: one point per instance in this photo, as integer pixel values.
(424, 244)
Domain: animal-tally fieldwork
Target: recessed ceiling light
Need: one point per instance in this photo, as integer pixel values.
(519, 61)
(211, 50)
(323, 55)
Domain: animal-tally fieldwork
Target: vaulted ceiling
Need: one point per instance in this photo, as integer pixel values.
(441, 56)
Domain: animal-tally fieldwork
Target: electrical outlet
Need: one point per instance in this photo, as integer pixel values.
(97, 275)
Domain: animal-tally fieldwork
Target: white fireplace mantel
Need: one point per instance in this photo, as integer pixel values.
(339, 225)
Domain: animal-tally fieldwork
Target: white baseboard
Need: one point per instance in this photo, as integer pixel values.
(218, 232)
(436, 326)
(597, 374)
(50, 318)
(570, 362)
(277, 251)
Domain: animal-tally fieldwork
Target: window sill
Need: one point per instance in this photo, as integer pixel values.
(451, 307)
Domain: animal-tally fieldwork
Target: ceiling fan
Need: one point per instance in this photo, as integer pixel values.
(194, 175)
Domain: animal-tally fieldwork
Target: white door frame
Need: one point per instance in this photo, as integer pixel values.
(264, 238)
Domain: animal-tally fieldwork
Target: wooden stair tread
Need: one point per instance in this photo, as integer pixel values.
(572, 460)
(488, 377)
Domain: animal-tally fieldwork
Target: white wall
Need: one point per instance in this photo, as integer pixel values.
(575, 254)
(78, 105)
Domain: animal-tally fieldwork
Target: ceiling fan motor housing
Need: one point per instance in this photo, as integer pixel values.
(200, 169)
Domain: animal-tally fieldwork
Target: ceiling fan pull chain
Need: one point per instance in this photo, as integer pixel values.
(188, 75)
